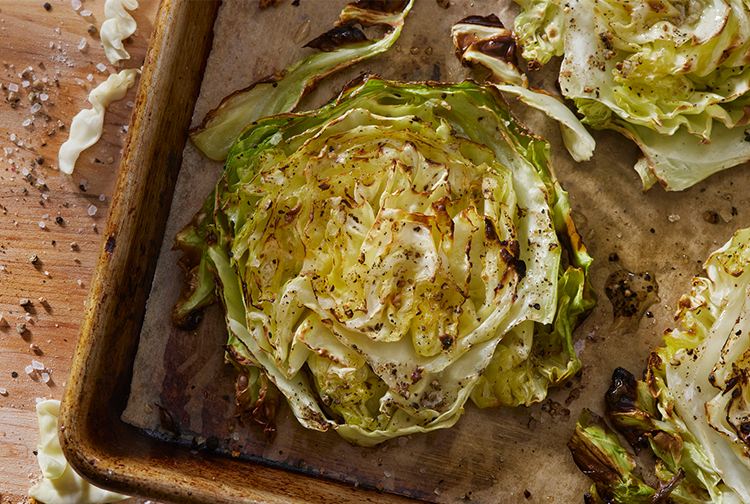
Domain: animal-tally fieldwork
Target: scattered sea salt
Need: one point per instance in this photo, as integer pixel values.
(29, 369)
(85, 13)
(387, 474)
(101, 67)
(26, 122)
(673, 218)
(45, 377)
(130, 104)
(76, 4)
(80, 282)
(37, 365)
(44, 96)
(12, 137)
(82, 44)
(35, 108)
(26, 83)
(13, 87)
(89, 77)
(102, 197)
(3, 392)
(79, 81)
(92, 210)
(25, 171)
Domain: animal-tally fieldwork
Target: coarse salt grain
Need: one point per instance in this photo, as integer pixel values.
(37, 365)
(79, 81)
(26, 123)
(45, 377)
(82, 44)
(92, 210)
(101, 67)
(26, 83)
(76, 4)
(35, 108)
(80, 282)
(25, 171)
(29, 369)
(102, 197)
(90, 77)
(13, 87)
(44, 96)
(12, 137)
(130, 104)
(85, 13)
(3, 392)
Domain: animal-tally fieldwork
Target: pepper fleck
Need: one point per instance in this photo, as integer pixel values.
(59, 220)
(14, 375)
(47, 6)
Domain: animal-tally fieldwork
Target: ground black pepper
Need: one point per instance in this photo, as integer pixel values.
(47, 6)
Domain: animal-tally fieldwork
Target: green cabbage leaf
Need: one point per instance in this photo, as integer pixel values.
(339, 48)
(692, 409)
(672, 75)
(388, 256)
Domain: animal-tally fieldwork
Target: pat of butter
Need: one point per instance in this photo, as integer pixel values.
(61, 484)
(118, 25)
(87, 125)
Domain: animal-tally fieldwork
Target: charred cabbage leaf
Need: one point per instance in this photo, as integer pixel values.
(692, 409)
(339, 48)
(672, 75)
(385, 258)
(484, 41)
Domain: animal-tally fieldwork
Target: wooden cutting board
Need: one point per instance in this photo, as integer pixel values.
(44, 213)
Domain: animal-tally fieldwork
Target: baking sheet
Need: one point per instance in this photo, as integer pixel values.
(181, 383)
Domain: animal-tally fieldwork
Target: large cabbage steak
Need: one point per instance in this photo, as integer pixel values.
(388, 256)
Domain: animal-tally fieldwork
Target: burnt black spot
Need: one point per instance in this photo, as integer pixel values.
(109, 247)
(337, 37)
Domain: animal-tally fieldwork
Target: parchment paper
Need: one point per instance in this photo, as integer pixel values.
(493, 455)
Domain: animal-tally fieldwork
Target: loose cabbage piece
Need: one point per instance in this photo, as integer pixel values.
(60, 483)
(86, 127)
(386, 257)
(486, 42)
(340, 48)
(671, 75)
(692, 407)
(117, 26)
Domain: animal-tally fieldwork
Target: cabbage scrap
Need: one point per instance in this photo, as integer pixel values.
(87, 126)
(60, 484)
(672, 75)
(385, 258)
(340, 48)
(692, 409)
(118, 25)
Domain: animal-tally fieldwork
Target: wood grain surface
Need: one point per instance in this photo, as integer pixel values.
(45, 213)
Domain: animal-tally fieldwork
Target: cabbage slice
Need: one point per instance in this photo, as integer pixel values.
(379, 259)
(692, 407)
(671, 75)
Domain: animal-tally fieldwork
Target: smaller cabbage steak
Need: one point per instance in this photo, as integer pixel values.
(672, 75)
(385, 258)
(692, 409)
